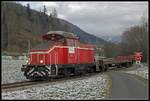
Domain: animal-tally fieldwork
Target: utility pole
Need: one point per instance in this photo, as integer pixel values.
(28, 47)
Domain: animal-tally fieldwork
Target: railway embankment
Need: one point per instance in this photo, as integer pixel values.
(88, 88)
(11, 71)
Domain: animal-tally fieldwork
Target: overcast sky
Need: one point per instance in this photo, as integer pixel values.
(98, 18)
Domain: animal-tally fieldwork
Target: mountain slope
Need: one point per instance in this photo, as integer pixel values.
(112, 38)
(19, 24)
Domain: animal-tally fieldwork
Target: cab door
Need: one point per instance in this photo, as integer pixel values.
(56, 58)
(71, 54)
(71, 51)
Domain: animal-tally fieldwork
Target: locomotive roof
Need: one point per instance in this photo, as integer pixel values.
(58, 35)
(63, 33)
(43, 46)
(46, 45)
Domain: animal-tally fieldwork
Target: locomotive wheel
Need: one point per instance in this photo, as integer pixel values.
(53, 69)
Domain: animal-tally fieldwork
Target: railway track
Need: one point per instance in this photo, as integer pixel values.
(17, 84)
(30, 83)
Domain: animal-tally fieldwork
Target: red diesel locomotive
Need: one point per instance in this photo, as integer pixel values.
(61, 53)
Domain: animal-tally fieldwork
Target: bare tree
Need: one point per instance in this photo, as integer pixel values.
(136, 39)
(28, 10)
(44, 10)
(54, 13)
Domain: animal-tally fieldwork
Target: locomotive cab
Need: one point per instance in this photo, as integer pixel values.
(60, 37)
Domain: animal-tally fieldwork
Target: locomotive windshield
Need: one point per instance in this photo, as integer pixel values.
(53, 37)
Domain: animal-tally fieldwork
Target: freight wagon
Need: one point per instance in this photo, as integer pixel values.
(103, 64)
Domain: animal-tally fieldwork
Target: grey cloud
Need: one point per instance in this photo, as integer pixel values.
(101, 18)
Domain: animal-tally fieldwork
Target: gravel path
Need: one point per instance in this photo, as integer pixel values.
(125, 86)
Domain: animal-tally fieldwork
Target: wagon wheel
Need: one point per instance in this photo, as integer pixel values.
(127, 65)
(101, 68)
(105, 68)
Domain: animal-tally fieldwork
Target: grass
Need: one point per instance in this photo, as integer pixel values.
(107, 91)
(109, 86)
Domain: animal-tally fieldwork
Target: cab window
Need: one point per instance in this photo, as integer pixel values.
(70, 42)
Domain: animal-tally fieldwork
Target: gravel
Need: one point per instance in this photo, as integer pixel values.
(94, 87)
(90, 88)
(11, 71)
(141, 71)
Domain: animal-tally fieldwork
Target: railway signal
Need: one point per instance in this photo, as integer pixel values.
(137, 57)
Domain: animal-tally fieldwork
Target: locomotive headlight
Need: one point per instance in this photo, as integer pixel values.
(27, 61)
(41, 61)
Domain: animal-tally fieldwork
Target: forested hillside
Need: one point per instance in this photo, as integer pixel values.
(20, 24)
(134, 39)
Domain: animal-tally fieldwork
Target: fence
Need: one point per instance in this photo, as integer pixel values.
(14, 57)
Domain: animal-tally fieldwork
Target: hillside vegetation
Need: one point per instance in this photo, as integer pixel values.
(20, 24)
